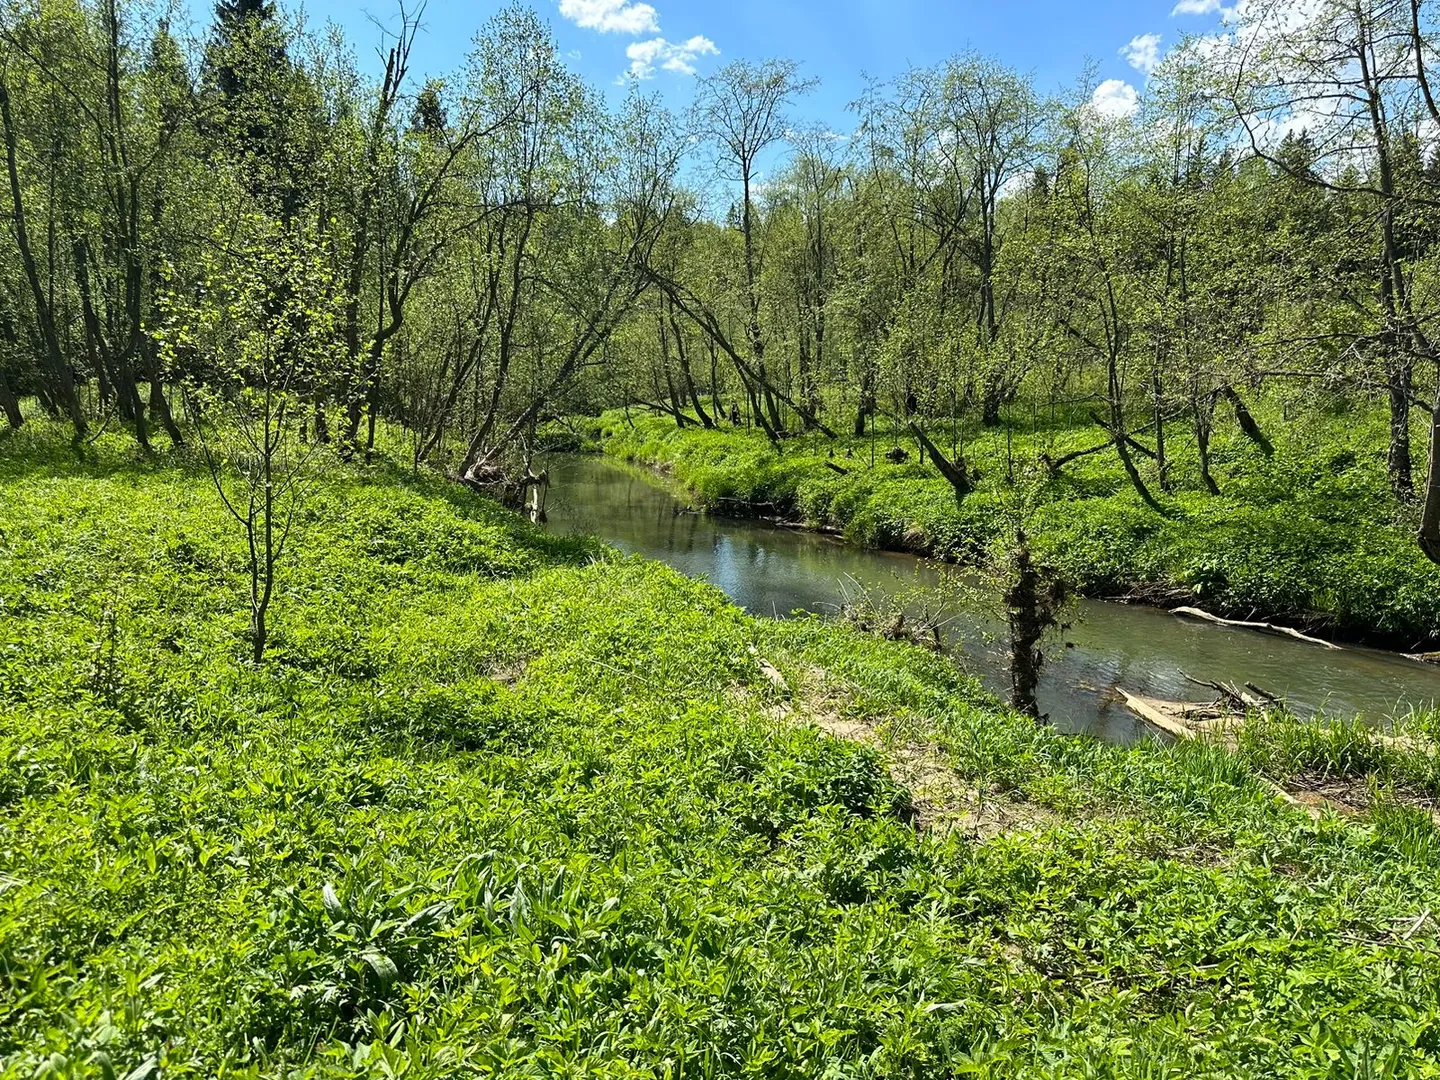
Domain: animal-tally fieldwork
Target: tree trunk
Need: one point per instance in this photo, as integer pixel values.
(10, 403)
(866, 407)
(1122, 447)
(61, 378)
(990, 401)
(1162, 462)
(1429, 537)
(677, 405)
(1394, 296)
(1398, 386)
(1031, 602)
(1203, 410)
(955, 472)
(119, 364)
(1246, 421)
(684, 356)
(694, 391)
(160, 405)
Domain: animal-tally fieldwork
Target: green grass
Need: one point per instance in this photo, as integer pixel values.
(500, 803)
(1309, 537)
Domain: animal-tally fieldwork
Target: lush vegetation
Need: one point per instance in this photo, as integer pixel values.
(501, 803)
(1308, 535)
(247, 230)
(316, 761)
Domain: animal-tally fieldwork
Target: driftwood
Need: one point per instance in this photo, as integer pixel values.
(1154, 713)
(1191, 720)
(1245, 624)
(484, 478)
(1407, 743)
(1235, 697)
(528, 492)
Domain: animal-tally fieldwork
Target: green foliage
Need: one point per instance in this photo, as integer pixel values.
(1307, 536)
(499, 802)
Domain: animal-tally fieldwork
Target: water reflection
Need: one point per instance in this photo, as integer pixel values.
(771, 571)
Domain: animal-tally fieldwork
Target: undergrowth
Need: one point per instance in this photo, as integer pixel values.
(504, 803)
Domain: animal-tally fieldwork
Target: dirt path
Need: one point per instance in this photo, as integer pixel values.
(942, 800)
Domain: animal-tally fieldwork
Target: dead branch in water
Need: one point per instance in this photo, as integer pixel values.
(1245, 624)
(1236, 698)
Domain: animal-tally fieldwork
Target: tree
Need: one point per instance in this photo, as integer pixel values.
(618, 199)
(260, 322)
(1098, 295)
(989, 126)
(743, 110)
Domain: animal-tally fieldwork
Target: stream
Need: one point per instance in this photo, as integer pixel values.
(775, 571)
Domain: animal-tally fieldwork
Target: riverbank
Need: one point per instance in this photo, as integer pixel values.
(505, 803)
(1143, 649)
(1308, 537)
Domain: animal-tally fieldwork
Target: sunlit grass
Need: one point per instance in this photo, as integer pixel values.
(501, 803)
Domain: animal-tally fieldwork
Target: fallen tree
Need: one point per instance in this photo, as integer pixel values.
(1245, 624)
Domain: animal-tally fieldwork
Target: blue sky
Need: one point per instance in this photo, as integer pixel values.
(669, 42)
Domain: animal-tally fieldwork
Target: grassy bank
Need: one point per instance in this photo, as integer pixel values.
(504, 804)
(1308, 536)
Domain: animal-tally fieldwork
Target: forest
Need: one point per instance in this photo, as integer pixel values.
(248, 225)
(320, 757)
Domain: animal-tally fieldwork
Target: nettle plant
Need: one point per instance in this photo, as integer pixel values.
(258, 333)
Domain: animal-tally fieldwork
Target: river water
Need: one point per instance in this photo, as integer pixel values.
(776, 572)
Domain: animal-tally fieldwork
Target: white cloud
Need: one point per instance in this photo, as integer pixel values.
(1115, 98)
(679, 57)
(1196, 7)
(611, 16)
(1143, 53)
(635, 18)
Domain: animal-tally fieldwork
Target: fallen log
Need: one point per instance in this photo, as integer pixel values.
(1150, 711)
(960, 478)
(1266, 698)
(1405, 743)
(1190, 719)
(1245, 624)
(1299, 804)
(1054, 465)
(1246, 421)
